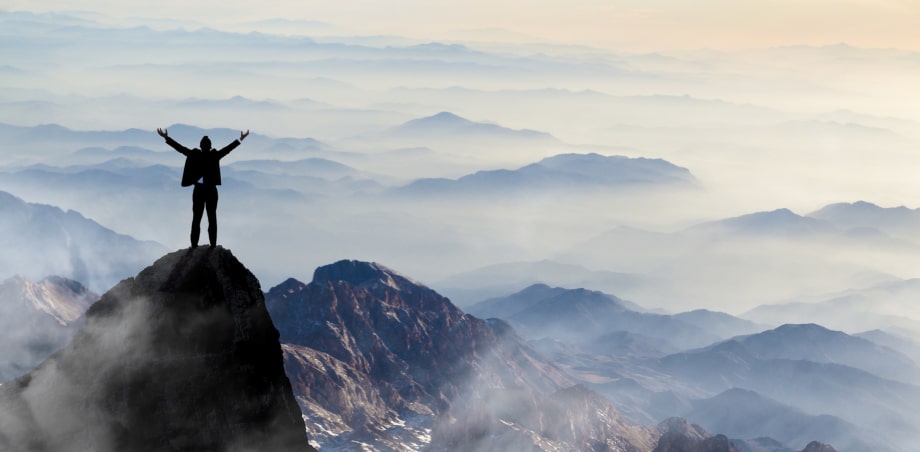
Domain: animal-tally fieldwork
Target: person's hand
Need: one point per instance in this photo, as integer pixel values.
(163, 132)
(244, 135)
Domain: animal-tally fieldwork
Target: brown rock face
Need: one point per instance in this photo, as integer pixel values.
(379, 359)
(183, 357)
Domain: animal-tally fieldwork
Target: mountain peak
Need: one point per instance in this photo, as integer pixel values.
(806, 328)
(368, 355)
(446, 116)
(442, 119)
(64, 300)
(183, 356)
(361, 274)
(780, 221)
(816, 343)
(449, 123)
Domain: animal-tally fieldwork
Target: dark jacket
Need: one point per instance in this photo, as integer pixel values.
(200, 164)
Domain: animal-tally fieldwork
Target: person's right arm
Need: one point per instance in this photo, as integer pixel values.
(175, 144)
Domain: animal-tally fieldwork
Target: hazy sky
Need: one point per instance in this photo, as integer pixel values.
(761, 129)
(622, 24)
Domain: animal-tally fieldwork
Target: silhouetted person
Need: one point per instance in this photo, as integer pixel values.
(202, 169)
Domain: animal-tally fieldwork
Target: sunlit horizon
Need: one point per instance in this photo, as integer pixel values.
(661, 25)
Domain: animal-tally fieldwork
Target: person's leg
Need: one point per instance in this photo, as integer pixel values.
(211, 206)
(198, 199)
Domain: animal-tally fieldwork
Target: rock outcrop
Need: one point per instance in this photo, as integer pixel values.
(183, 357)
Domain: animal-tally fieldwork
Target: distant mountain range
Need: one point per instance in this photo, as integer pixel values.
(582, 316)
(894, 341)
(446, 124)
(566, 172)
(881, 407)
(770, 256)
(313, 167)
(898, 221)
(780, 222)
(680, 435)
(40, 240)
(58, 144)
(815, 343)
(739, 413)
(719, 323)
(857, 393)
(497, 280)
(850, 225)
(37, 319)
(49, 138)
(886, 306)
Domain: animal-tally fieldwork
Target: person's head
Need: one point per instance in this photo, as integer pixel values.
(205, 143)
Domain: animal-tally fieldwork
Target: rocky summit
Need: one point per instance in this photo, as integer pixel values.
(379, 360)
(182, 357)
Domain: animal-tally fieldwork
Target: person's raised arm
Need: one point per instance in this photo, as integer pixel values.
(226, 150)
(175, 145)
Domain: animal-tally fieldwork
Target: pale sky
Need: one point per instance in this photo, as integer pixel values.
(640, 25)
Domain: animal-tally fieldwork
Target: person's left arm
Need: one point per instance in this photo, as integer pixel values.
(226, 149)
(173, 143)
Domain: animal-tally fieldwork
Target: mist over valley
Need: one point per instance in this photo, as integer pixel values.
(682, 244)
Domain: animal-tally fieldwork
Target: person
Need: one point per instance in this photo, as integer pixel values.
(202, 169)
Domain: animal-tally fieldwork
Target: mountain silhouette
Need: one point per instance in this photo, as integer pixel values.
(564, 172)
(581, 316)
(898, 221)
(446, 123)
(782, 222)
(818, 344)
(883, 408)
(745, 414)
(182, 357)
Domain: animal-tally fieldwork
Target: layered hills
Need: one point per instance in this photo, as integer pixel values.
(40, 240)
(582, 316)
(565, 172)
(836, 387)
